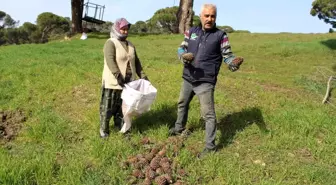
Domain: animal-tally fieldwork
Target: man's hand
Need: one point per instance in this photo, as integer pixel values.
(235, 64)
(187, 58)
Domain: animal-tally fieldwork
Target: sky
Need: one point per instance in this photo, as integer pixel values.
(261, 16)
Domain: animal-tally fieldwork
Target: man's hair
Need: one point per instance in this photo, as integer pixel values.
(211, 6)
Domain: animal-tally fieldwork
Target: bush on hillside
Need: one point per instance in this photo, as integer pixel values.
(48, 26)
(52, 25)
(242, 31)
(227, 29)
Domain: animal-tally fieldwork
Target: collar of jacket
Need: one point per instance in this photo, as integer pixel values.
(209, 30)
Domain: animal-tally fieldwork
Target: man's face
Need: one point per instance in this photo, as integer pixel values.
(208, 18)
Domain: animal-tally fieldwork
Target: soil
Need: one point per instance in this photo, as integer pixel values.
(10, 124)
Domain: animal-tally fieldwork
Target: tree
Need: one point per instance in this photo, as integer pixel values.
(2, 37)
(29, 27)
(196, 20)
(77, 14)
(105, 27)
(33, 32)
(2, 16)
(48, 22)
(185, 15)
(7, 21)
(139, 27)
(165, 20)
(325, 10)
(227, 29)
(12, 36)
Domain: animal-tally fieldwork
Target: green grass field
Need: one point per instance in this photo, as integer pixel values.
(280, 87)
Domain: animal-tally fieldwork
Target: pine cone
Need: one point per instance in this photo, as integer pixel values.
(138, 174)
(147, 182)
(149, 156)
(162, 152)
(139, 156)
(165, 160)
(169, 178)
(150, 174)
(166, 168)
(143, 162)
(155, 150)
(161, 180)
(132, 160)
(168, 171)
(238, 61)
(145, 141)
(181, 172)
(178, 182)
(164, 164)
(159, 171)
(188, 56)
(136, 165)
(155, 163)
(131, 180)
(157, 158)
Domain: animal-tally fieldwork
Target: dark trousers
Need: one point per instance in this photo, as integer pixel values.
(110, 105)
(205, 93)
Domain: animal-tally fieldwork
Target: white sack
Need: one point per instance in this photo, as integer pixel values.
(137, 96)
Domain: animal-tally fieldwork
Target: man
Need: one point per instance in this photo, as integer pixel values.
(121, 65)
(202, 52)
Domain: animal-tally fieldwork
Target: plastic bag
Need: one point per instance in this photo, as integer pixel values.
(137, 96)
(84, 36)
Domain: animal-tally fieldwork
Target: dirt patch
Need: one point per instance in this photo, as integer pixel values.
(83, 94)
(305, 155)
(10, 124)
(278, 88)
(76, 103)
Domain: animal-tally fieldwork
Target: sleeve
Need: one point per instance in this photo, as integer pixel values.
(227, 54)
(138, 68)
(110, 57)
(184, 45)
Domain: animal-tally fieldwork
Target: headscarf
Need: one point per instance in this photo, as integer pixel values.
(115, 30)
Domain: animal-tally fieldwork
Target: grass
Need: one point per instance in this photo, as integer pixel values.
(279, 88)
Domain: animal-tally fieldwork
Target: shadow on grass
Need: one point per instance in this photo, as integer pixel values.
(237, 122)
(163, 115)
(330, 43)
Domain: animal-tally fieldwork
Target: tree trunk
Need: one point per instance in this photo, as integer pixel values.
(77, 13)
(44, 33)
(185, 15)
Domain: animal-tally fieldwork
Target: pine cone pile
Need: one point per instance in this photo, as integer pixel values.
(154, 166)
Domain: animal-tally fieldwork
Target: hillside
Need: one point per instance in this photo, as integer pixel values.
(272, 126)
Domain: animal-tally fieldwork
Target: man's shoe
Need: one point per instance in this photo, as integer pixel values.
(205, 152)
(174, 132)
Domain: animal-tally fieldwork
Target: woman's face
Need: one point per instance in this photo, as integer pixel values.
(124, 30)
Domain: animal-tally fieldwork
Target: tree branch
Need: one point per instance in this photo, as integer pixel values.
(326, 97)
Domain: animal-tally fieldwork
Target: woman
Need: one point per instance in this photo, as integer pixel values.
(121, 65)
